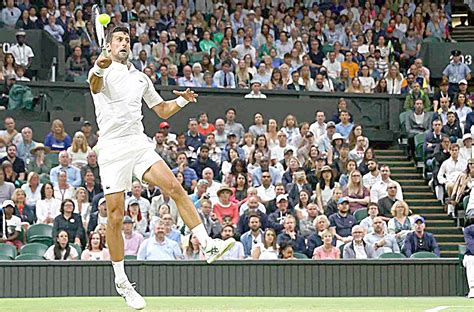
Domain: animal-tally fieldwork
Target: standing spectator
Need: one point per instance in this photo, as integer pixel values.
(70, 222)
(419, 240)
(341, 223)
(6, 188)
(11, 225)
(95, 248)
(380, 240)
(61, 250)
(10, 14)
(358, 248)
(158, 246)
(326, 251)
(57, 140)
(22, 53)
(231, 126)
(456, 71)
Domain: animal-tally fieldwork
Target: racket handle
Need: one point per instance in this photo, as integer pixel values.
(105, 52)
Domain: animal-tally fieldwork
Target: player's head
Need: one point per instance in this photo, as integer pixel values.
(118, 43)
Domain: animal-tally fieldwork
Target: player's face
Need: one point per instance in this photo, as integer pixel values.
(120, 46)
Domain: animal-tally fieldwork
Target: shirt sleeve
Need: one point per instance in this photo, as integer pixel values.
(151, 97)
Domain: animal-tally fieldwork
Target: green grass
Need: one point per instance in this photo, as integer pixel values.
(116, 304)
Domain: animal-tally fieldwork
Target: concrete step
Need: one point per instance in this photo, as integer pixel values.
(400, 157)
(422, 201)
(395, 169)
(397, 162)
(453, 238)
(445, 222)
(449, 246)
(408, 176)
(416, 188)
(398, 152)
(434, 216)
(406, 182)
(449, 253)
(418, 195)
(443, 230)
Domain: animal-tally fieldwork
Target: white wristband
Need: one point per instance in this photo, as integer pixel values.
(99, 72)
(181, 101)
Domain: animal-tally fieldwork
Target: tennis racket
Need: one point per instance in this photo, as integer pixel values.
(99, 29)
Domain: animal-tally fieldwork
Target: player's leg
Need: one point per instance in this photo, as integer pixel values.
(115, 213)
(160, 175)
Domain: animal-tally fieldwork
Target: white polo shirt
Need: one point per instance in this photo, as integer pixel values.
(118, 106)
(21, 54)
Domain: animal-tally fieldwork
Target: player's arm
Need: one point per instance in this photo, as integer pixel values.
(96, 80)
(166, 109)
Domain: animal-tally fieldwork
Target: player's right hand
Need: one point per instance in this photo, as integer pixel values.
(103, 61)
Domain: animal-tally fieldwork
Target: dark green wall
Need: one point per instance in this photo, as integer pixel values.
(436, 56)
(299, 278)
(378, 113)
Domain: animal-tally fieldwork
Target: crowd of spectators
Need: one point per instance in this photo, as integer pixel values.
(282, 191)
(360, 46)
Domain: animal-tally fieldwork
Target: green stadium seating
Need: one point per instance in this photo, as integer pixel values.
(34, 249)
(299, 255)
(29, 257)
(8, 251)
(78, 249)
(361, 214)
(5, 258)
(465, 202)
(40, 233)
(392, 255)
(423, 255)
(130, 257)
(52, 158)
(341, 249)
(419, 139)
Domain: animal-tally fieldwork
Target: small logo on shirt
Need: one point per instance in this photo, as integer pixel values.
(107, 187)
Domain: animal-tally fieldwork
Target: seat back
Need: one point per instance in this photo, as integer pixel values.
(30, 257)
(392, 255)
(299, 255)
(78, 249)
(34, 249)
(423, 255)
(39, 231)
(8, 251)
(361, 214)
(130, 257)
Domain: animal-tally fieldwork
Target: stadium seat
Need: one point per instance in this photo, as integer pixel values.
(299, 255)
(40, 233)
(52, 158)
(130, 257)
(465, 202)
(5, 258)
(78, 249)
(7, 251)
(462, 251)
(403, 130)
(341, 249)
(423, 255)
(419, 140)
(34, 249)
(29, 257)
(360, 214)
(392, 255)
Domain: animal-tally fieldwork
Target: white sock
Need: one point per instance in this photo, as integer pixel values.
(450, 208)
(119, 271)
(201, 234)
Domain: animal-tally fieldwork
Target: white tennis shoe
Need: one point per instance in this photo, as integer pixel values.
(470, 295)
(132, 298)
(215, 248)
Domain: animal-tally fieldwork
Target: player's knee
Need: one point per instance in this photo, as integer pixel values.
(176, 190)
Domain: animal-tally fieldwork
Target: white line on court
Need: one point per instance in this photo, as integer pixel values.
(437, 309)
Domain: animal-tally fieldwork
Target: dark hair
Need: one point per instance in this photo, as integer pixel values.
(57, 248)
(67, 200)
(232, 149)
(283, 246)
(43, 196)
(233, 168)
(332, 183)
(102, 243)
(116, 29)
(253, 215)
(231, 109)
(228, 226)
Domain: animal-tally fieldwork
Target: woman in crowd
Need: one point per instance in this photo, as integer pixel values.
(304, 199)
(61, 250)
(139, 223)
(267, 249)
(344, 178)
(464, 184)
(193, 251)
(180, 177)
(356, 132)
(57, 140)
(325, 187)
(400, 224)
(242, 75)
(32, 189)
(272, 133)
(357, 194)
(82, 205)
(460, 104)
(71, 222)
(63, 190)
(261, 144)
(394, 80)
(240, 189)
(47, 208)
(95, 250)
(276, 81)
(258, 127)
(9, 174)
(356, 86)
(290, 127)
(8, 68)
(239, 166)
(327, 251)
(286, 251)
(367, 82)
(102, 230)
(381, 86)
(79, 150)
(39, 164)
(247, 144)
(368, 155)
(23, 210)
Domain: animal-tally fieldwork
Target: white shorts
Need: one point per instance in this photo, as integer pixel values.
(119, 160)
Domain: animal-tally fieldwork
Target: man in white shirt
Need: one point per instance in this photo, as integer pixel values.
(333, 66)
(212, 186)
(466, 151)
(22, 53)
(266, 191)
(318, 128)
(255, 93)
(246, 48)
(159, 247)
(450, 170)
(373, 175)
(279, 150)
(358, 152)
(237, 251)
(283, 46)
(379, 189)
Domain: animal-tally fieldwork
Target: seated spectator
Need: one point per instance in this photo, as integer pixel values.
(237, 251)
(289, 234)
(379, 189)
(204, 161)
(432, 140)
(386, 203)
(190, 177)
(327, 251)
(415, 95)
(11, 226)
(131, 239)
(466, 152)
(452, 128)
(331, 207)
(449, 172)
(286, 251)
(209, 219)
(99, 217)
(306, 222)
(73, 174)
(79, 150)
(32, 189)
(267, 249)
(381, 241)
(325, 187)
(358, 248)
(251, 207)
(140, 223)
(341, 223)
(39, 164)
(95, 249)
(256, 93)
(61, 250)
(400, 225)
(26, 145)
(373, 175)
(9, 174)
(188, 80)
(253, 236)
(320, 223)
(18, 165)
(224, 207)
(355, 192)
(165, 79)
(82, 205)
(76, 64)
(351, 165)
(462, 109)
(358, 152)
(54, 29)
(25, 212)
(344, 127)
(170, 231)
(193, 138)
(204, 126)
(47, 208)
(264, 166)
(277, 218)
(443, 110)
(158, 246)
(224, 78)
(192, 250)
(90, 186)
(468, 260)
(57, 140)
(367, 222)
(417, 121)
(420, 240)
(71, 222)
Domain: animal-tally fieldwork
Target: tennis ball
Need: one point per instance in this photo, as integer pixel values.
(104, 19)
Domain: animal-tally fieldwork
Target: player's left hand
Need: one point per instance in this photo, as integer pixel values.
(188, 94)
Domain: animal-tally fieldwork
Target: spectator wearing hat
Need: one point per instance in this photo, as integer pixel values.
(225, 78)
(158, 246)
(255, 85)
(456, 71)
(341, 223)
(91, 137)
(98, 217)
(463, 89)
(420, 240)
(224, 207)
(10, 14)
(165, 129)
(466, 151)
(10, 225)
(140, 223)
(22, 53)
(325, 140)
(70, 222)
(277, 218)
(358, 248)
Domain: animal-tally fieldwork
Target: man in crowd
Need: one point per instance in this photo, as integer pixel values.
(381, 242)
(132, 239)
(193, 137)
(358, 248)
(231, 126)
(26, 145)
(136, 196)
(237, 251)
(92, 166)
(17, 163)
(73, 174)
(419, 240)
(203, 161)
(159, 247)
(253, 236)
(190, 176)
(379, 189)
(342, 222)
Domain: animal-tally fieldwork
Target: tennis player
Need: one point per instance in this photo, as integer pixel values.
(118, 89)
